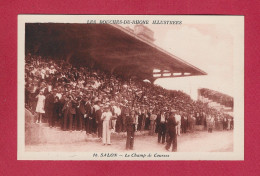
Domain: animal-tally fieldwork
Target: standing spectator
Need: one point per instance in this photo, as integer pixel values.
(147, 120)
(87, 117)
(72, 114)
(82, 112)
(171, 124)
(152, 123)
(40, 106)
(62, 102)
(204, 120)
(98, 115)
(161, 120)
(114, 113)
(65, 111)
(210, 123)
(225, 123)
(57, 107)
(92, 120)
(228, 124)
(117, 123)
(178, 120)
(232, 124)
(130, 129)
(106, 117)
(184, 122)
(193, 121)
(49, 109)
(190, 121)
(124, 113)
(142, 117)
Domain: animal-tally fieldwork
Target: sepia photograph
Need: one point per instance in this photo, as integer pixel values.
(130, 87)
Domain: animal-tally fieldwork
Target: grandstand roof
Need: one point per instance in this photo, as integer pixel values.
(110, 47)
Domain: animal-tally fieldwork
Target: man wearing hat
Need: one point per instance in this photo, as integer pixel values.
(118, 113)
(81, 113)
(178, 119)
(161, 121)
(130, 130)
(184, 122)
(115, 113)
(152, 122)
(106, 117)
(98, 115)
(49, 108)
(72, 113)
(87, 115)
(171, 124)
(92, 117)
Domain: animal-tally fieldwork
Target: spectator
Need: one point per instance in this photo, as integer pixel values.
(40, 106)
(130, 129)
(152, 123)
(106, 118)
(178, 120)
(172, 123)
(161, 120)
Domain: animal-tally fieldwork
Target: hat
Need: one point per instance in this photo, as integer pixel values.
(106, 107)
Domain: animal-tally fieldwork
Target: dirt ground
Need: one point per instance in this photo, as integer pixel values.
(199, 141)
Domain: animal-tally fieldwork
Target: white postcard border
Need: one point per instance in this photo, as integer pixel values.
(238, 61)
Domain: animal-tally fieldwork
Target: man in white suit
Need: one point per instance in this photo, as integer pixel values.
(178, 120)
(106, 117)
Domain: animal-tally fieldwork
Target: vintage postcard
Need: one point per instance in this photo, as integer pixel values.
(130, 87)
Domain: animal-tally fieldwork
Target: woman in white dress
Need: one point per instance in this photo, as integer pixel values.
(40, 106)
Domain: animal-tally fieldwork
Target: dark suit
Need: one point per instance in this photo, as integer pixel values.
(49, 108)
(147, 121)
(123, 116)
(161, 129)
(141, 122)
(72, 114)
(98, 114)
(119, 123)
(57, 111)
(171, 124)
(81, 113)
(87, 119)
(130, 130)
(65, 111)
(62, 103)
(184, 123)
(93, 122)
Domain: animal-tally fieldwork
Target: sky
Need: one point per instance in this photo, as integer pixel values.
(206, 46)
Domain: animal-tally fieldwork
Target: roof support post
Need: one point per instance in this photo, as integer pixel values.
(152, 80)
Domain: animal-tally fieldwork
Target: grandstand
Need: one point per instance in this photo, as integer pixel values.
(74, 59)
(217, 100)
(109, 47)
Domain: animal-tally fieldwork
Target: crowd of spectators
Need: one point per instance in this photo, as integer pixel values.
(73, 98)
